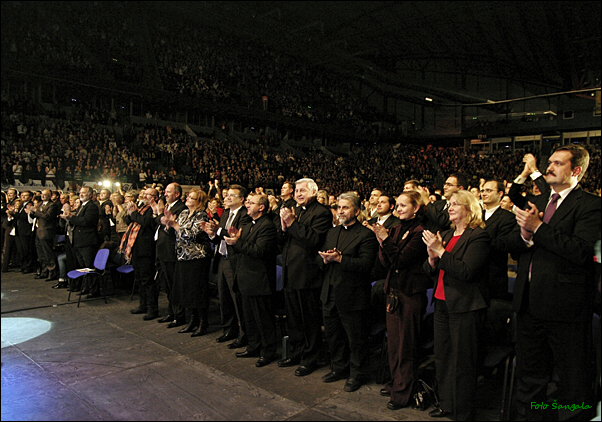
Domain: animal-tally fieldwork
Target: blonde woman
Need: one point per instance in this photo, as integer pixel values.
(457, 262)
(193, 251)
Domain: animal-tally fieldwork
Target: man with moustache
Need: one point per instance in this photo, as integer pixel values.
(554, 290)
(47, 220)
(256, 248)
(301, 234)
(138, 245)
(348, 256)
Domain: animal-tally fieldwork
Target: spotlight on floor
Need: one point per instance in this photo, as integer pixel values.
(19, 330)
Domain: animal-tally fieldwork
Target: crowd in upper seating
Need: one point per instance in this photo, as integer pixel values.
(190, 60)
(83, 147)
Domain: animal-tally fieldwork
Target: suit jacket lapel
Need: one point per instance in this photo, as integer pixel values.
(567, 205)
(461, 241)
(350, 240)
(495, 216)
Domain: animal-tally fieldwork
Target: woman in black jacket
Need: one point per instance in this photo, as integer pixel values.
(403, 253)
(458, 262)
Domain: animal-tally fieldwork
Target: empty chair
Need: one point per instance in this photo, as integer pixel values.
(126, 269)
(88, 274)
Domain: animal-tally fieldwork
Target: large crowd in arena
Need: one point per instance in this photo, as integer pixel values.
(387, 230)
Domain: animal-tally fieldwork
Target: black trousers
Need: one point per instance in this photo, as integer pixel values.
(24, 246)
(544, 346)
(347, 338)
(46, 256)
(9, 251)
(230, 301)
(84, 256)
(403, 336)
(144, 273)
(456, 347)
(260, 325)
(168, 268)
(304, 324)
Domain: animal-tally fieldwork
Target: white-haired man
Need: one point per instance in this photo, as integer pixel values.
(302, 233)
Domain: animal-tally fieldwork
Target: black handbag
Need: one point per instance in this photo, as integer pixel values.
(393, 301)
(424, 395)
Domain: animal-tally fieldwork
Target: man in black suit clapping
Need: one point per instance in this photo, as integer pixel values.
(554, 291)
(301, 234)
(348, 256)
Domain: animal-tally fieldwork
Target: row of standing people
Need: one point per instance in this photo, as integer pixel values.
(327, 272)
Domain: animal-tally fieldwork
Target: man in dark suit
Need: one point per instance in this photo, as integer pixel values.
(104, 198)
(554, 290)
(139, 245)
(166, 250)
(24, 232)
(85, 224)
(287, 200)
(256, 248)
(499, 223)
(83, 238)
(233, 323)
(47, 221)
(9, 254)
(384, 209)
(348, 257)
(437, 217)
(540, 186)
(301, 234)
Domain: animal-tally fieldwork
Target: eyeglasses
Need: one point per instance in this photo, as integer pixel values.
(449, 184)
(232, 196)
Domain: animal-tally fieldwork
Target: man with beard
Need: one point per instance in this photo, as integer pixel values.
(348, 256)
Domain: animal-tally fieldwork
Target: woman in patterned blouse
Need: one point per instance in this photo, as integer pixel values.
(193, 250)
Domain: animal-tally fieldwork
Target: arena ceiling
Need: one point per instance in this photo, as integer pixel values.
(554, 45)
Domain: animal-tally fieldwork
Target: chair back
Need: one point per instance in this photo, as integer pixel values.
(100, 262)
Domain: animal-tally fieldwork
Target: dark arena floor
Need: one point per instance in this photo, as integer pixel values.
(99, 362)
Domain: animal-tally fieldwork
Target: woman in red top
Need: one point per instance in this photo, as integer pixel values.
(458, 262)
(214, 209)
